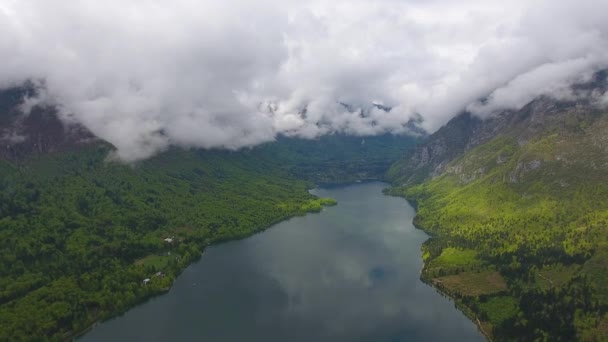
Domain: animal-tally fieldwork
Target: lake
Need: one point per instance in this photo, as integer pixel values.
(349, 273)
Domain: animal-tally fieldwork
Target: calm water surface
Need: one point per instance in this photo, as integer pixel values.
(350, 273)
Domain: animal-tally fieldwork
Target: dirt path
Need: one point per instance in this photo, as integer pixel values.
(547, 279)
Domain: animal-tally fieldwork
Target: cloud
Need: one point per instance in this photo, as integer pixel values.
(553, 79)
(148, 74)
(572, 42)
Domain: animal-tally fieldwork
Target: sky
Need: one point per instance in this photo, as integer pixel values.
(148, 74)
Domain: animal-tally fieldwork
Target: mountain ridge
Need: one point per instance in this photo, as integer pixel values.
(466, 130)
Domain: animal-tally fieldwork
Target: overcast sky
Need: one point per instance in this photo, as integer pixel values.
(145, 74)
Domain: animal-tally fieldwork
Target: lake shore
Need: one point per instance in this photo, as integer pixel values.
(424, 277)
(362, 211)
(79, 334)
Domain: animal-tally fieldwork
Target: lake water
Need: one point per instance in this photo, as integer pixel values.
(350, 273)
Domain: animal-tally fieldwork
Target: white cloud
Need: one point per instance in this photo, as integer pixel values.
(145, 74)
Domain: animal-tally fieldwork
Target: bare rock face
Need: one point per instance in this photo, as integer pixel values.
(37, 132)
(522, 169)
(432, 157)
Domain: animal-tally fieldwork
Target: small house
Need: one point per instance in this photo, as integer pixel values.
(146, 281)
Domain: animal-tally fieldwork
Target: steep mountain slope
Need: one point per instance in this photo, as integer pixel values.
(466, 131)
(39, 132)
(518, 207)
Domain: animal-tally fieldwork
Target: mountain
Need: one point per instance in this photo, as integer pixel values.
(466, 131)
(39, 132)
(79, 233)
(517, 205)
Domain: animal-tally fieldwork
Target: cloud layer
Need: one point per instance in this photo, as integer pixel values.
(147, 74)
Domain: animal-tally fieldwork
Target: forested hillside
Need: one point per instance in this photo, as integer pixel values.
(520, 220)
(79, 235)
(80, 231)
(337, 158)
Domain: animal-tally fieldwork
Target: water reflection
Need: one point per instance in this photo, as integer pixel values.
(349, 273)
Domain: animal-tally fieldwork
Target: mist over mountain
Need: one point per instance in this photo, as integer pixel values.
(542, 115)
(145, 75)
(136, 134)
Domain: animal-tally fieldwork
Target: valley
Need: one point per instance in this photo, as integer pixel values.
(515, 205)
(304, 170)
(81, 233)
(350, 272)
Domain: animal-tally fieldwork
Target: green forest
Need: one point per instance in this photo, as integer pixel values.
(520, 233)
(79, 233)
(337, 158)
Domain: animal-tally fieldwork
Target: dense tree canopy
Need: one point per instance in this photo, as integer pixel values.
(532, 220)
(79, 233)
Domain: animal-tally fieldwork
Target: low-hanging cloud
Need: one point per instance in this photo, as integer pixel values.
(147, 74)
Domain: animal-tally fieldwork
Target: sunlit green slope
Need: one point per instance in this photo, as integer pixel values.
(521, 225)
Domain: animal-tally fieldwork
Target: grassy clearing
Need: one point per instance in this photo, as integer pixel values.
(456, 257)
(317, 204)
(156, 261)
(473, 283)
(556, 275)
(498, 309)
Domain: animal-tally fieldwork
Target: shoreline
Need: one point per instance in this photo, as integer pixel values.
(459, 305)
(73, 336)
(76, 335)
